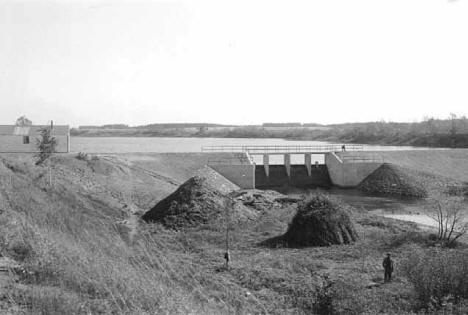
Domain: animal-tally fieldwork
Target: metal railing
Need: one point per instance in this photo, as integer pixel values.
(227, 162)
(238, 159)
(258, 149)
(362, 159)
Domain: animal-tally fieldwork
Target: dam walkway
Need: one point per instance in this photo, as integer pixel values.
(344, 168)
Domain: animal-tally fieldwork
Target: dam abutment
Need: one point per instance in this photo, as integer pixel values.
(342, 169)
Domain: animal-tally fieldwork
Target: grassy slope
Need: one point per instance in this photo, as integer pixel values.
(75, 247)
(81, 257)
(451, 164)
(178, 166)
(446, 163)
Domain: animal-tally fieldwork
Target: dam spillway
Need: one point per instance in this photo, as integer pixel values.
(298, 177)
(342, 168)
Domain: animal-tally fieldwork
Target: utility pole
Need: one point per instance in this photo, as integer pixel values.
(50, 163)
(50, 174)
(227, 255)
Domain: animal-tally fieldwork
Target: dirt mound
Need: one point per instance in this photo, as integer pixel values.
(195, 203)
(216, 180)
(391, 179)
(320, 221)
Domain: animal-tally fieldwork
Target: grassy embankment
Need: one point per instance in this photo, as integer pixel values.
(80, 256)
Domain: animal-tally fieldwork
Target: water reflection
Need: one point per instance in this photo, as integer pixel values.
(406, 209)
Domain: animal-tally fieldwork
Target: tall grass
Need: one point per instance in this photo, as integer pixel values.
(438, 275)
(77, 261)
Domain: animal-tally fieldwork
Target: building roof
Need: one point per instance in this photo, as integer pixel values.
(58, 130)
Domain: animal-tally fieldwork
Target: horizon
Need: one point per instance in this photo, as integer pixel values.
(458, 117)
(98, 62)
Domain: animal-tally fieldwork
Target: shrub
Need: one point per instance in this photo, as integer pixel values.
(46, 144)
(409, 237)
(439, 276)
(450, 215)
(324, 297)
(82, 156)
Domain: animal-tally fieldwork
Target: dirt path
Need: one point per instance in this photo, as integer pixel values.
(141, 169)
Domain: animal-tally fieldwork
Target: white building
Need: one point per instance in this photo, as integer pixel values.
(22, 139)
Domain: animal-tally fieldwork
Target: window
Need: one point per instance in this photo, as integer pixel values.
(25, 139)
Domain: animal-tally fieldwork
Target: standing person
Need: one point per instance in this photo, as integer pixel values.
(227, 257)
(388, 268)
(343, 148)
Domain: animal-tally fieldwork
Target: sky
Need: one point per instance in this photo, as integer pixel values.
(232, 62)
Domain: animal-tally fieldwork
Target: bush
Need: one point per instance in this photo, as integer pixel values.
(439, 276)
(82, 156)
(409, 237)
(46, 145)
(324, 297)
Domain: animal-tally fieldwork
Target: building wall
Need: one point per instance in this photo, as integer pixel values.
(348, 174)
(14, 144)
(241, 175)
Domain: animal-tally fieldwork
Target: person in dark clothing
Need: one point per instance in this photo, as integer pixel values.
(343, 148)
(388, 268)
(227, 257)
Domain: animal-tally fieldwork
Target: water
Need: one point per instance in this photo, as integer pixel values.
(421, 219)
(166, 144)
(391, 207)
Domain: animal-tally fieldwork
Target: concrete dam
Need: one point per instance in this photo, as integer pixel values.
(343, 168)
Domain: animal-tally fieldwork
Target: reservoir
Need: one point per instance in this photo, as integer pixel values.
(178, 145)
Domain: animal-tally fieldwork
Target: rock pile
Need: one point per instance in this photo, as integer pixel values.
(390, 179)
(196, 202)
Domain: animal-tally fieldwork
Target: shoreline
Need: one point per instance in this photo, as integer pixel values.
(304, 139)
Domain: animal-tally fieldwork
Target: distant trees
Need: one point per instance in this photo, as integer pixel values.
(289, 124)
(453, 124)
(453, 128)
(23, 122)
(430, 125)
(202, 130)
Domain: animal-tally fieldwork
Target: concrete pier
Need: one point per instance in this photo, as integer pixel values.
(287, 164)
(308, 162)
(266, 164)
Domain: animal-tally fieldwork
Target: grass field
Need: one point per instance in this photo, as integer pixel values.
(83, 252)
